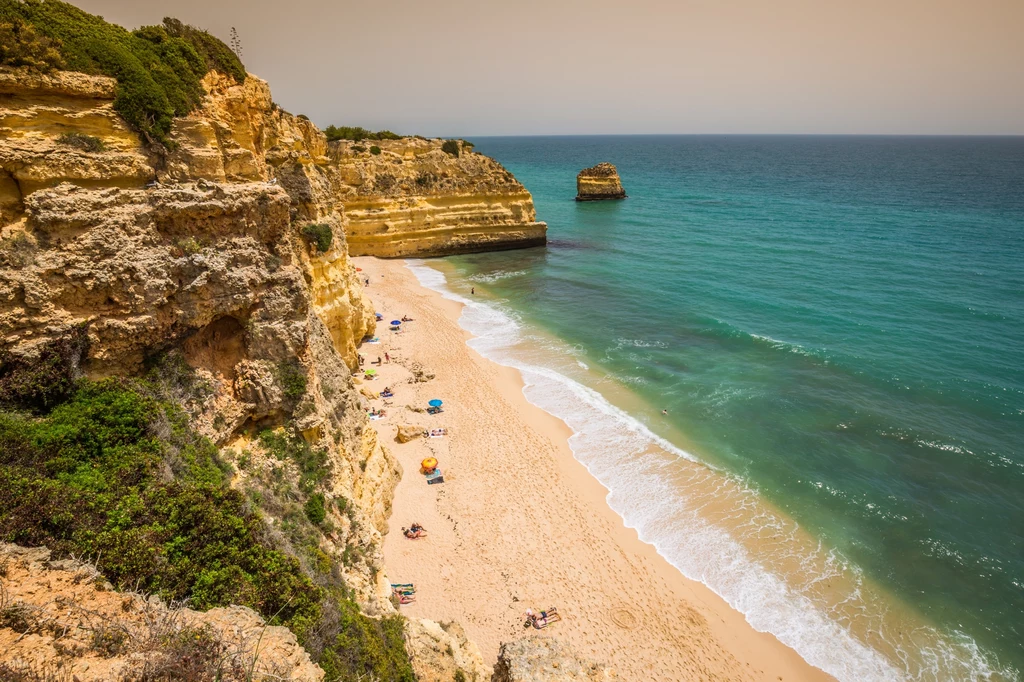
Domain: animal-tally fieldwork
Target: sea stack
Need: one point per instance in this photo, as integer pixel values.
(599, 182)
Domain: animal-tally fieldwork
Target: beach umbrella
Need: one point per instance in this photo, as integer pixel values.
(435, 403)
(396, 322)
(429, 463)
(370, 372)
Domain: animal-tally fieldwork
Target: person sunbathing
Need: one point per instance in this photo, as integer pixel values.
(542, 619)
(414, 531)
(406, 318)
(404, 598)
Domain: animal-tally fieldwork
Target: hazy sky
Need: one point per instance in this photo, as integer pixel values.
(483, 67)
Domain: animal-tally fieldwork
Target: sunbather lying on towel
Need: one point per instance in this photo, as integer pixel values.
(542, 619)
(414, 531)
(404, 598)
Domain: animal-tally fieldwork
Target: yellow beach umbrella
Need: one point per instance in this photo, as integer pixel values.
(429, 463)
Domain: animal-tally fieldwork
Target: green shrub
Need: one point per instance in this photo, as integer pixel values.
(320, 234)
(40, 383)
(366, 647)
(88, 480)
(375, 150)
(158, 68)
(21, 45)
(358, 148)
(311, 462)
(86, 143)
(314, 509)
(451, 147)
(357, 134)
(111, 471)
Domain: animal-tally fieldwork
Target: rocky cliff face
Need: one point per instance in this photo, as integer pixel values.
(414, 199)
(542, 659)
(599, 182)
(196, 256)
(207, 264)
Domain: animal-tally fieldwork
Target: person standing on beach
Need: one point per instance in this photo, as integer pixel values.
(387, 358)
(472, 290)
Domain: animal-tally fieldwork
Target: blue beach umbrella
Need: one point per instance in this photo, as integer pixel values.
(396, 322)
(435, 403)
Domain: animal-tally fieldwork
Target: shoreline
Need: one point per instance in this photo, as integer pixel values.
(536, 531)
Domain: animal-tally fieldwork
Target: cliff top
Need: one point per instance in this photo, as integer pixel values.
(601, 170)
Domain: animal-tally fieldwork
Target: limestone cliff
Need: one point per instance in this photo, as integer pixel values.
(195, 255)
(599, 182)
(414, 199)
(208, 262)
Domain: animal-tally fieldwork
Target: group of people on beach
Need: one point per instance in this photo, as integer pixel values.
(437, 433)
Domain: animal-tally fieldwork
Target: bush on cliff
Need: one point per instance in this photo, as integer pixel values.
(357, 134)
(112, 472)
(451, 147)
(158, 68)
(21, 45)
(319, 234)
(87, 143)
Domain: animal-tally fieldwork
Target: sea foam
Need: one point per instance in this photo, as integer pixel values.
(605, 438)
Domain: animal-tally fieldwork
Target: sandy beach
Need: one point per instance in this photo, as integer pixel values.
(519, 523)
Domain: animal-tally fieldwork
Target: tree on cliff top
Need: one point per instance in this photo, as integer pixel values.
(158, 68)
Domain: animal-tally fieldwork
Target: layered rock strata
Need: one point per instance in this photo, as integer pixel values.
(599, 182)
(414, 199)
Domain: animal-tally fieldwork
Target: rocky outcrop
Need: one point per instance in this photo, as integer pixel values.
(37, 111)
(61, 617)
(408, 432)
(414, 199)
(599, 182)
(542, 659)
(439, 651)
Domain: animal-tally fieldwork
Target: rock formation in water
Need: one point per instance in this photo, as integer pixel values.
(599, 182)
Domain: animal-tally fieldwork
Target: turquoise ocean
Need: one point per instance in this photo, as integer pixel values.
(835, 326)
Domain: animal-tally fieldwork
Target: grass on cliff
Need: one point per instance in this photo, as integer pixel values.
(158, 68)
(111, 471)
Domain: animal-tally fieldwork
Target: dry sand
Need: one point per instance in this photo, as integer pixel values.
(519, 523)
